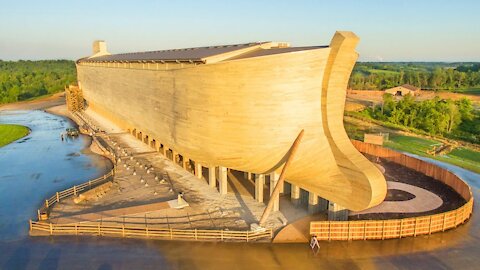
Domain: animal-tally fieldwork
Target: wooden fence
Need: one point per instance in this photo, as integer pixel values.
(44, 210)
(398, 228)
(146, 232)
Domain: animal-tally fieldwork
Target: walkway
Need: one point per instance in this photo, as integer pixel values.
(424, 201)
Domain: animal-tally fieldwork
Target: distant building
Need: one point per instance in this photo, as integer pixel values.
(403, 90)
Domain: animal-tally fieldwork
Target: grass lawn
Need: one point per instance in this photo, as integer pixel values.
(461, 157)
(10, 133)
(409, 144)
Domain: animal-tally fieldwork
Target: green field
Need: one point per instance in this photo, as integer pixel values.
(461, 157)
(468, 91)
(10, 133)
(382, 71)
(412, 145)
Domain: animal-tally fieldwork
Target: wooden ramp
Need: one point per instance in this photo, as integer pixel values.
(298, 231)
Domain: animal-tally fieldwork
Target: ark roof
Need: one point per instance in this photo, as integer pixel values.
(261, 52)
(200, 54)
(197, 54)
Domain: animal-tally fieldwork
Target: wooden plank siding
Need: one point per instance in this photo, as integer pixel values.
(244, 114)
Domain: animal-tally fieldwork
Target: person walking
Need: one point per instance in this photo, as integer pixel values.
(314, 242)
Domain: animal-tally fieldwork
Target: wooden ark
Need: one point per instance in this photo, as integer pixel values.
(241, 107)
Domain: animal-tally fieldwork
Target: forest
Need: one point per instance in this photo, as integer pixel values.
(425, 75)
(454, 119)
(23, 80)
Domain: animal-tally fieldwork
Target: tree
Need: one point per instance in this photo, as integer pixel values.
(26, 79)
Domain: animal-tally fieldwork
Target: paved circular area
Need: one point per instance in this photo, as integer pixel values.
(424, 201)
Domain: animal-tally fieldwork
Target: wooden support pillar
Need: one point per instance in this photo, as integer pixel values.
(276, 176)
(337, 212)
(295, 194)
(222, 179)
(185, 162)
(212, 177)
(259, 183)
(312, 203)
(153, 143)
(174, 156)
(164, 150)
(198, 170)
(247, 175)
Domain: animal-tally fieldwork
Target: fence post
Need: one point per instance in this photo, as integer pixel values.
(30, 222)
(329, 230)
(89, 184)
(196, 237)
(455, 222)
(51, 229)
(74, 191)
(383, 229)
(171, 234)
(104, 176)
(46, 203)
(221, 235)
(415, 228)
(38, 213)
(430, 226)
(76, 229)
(348, 230)
(364, 230)
(401, 228)
(444, 221)
(58, 199)
(99, 232)
(247, 235)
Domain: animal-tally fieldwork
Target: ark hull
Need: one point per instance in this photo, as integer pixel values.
(245, 114)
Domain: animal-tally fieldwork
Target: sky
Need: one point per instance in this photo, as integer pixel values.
(389, 30)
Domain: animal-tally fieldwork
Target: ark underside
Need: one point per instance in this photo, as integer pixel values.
(245, 112)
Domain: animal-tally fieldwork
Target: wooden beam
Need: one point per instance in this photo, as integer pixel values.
(276, 191)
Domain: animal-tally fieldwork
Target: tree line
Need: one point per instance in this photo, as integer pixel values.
(433, 76)
(23, 80)
(455, 119)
